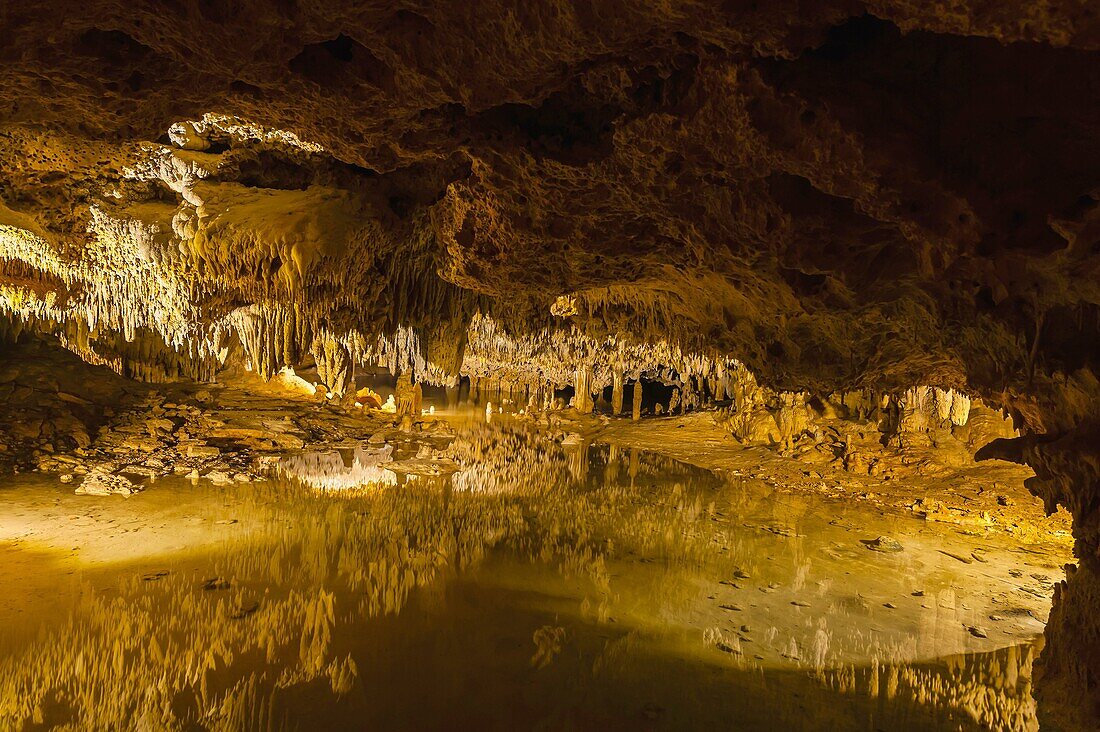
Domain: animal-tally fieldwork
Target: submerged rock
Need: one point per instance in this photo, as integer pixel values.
(244, 610)
(884, 544)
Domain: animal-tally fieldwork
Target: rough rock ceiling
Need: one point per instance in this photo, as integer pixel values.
(836, 193)
(810, 189)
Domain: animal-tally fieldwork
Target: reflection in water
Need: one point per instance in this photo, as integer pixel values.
(331, 471)
(552, 586)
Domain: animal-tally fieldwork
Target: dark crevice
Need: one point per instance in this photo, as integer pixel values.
(340, 63)
(113, 47)
(1004, 125)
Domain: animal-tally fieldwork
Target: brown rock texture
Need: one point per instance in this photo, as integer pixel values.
(837, 194)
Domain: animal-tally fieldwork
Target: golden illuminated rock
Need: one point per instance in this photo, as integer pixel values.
(845, 223)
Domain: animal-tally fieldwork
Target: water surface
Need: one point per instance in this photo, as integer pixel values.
(539, 587)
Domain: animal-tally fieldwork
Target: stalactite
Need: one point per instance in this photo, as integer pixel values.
(547, 356)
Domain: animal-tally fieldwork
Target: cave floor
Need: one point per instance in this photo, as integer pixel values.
(981, 496)
(233, 432)
(544, 584)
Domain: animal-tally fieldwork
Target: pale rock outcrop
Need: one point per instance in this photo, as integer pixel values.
(924, 415)
(101, 483)
(985, 425)
(794, 419)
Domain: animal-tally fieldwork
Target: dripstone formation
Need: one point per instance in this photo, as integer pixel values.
(836, 195)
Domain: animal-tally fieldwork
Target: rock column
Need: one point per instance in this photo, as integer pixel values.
(334, 366)
(617, 393)
(406, 402)
(582, 399)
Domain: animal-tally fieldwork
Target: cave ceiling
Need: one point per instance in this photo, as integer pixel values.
(836, 193)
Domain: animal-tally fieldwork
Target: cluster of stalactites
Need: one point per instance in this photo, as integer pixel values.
(145, 358)
(180, 271)
(567, 357)
(556, 356)
(120, 302)
(275, 336)
(121, 281)
(29, 291)
(130, 279)
(272, 337)
(925, 408)
(126, 287)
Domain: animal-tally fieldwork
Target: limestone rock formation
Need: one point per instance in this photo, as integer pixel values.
(849, 197)
(102, 483)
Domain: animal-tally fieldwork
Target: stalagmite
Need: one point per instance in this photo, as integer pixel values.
(616, 392)
(794, 419)
(335, 368)
(406, 402)
(636, 413)
(582, 399)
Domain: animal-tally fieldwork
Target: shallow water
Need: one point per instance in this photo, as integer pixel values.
(538, 587)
